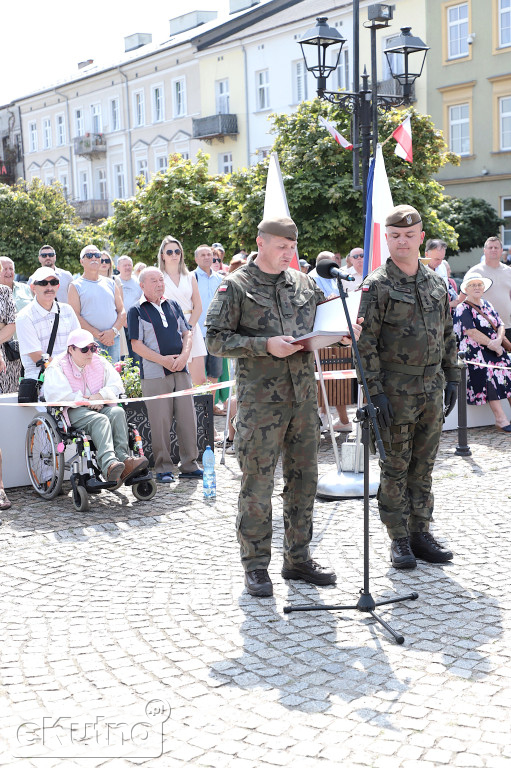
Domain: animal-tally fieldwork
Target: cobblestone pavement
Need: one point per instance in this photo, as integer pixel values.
(112, 616)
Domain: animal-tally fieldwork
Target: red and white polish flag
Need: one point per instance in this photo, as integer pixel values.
(335, 133)
(403, 136)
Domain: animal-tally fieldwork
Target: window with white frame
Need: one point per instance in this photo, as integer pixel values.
(101, 184)
(459, 129)
(396, 58)
(96, 121)
(162, 163)
(299, 81)
(182, 148)
(84, 185)
(119, 180)
(225, 162)
(505, 122)
(158, 106)
(179, 97)
(343, 70)
(139, 108)
(46, 133)
(64, 184)
(115, 115)
(142, 168)
(79, 122)
(506, 215)
(222, 96)
(504, 23)
(263, 89)
(61, 130)
(32, 137)
(457, 31)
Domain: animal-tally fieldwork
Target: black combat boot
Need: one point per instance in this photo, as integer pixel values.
(401, 555)
(310, 571)
(258, 583)
(425, 547)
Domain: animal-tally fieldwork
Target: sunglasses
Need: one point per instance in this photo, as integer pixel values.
(89, 348)
(53, 281)
(217, 260)
(106, 261)
(44, 255)
(95, 255)
(177, 251)
(357, 256)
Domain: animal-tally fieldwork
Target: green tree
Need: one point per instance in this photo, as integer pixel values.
(318, 179)
(34, 214)
(184, 201)
(474, 220)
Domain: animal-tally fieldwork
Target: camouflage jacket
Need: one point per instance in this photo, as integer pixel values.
(251, 306)
(407, 338)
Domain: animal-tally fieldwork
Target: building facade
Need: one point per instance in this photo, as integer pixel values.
(469, 98)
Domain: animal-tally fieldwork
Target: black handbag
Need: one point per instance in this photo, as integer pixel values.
(11, 350)
(28, 391)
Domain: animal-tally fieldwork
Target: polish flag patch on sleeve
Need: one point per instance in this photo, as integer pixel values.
(365, 287)
(222, 288)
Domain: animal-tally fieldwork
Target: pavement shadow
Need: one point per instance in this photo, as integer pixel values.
(31, 514)
(314, 662)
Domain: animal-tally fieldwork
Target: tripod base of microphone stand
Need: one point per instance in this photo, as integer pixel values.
(346, 485)
(366, 604)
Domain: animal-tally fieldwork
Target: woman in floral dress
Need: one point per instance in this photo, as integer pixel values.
(481, 336)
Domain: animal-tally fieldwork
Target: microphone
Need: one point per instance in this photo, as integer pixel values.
(328, 269)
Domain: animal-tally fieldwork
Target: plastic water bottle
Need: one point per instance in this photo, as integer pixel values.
(209, 477)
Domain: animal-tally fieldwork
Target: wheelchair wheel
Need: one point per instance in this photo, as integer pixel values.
(45, 465)
(145, 490)
(80, 498)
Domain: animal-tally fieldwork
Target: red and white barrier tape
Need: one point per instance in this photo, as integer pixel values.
(205, 389)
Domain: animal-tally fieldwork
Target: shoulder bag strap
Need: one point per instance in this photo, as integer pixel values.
(480, 312)
(53, 336)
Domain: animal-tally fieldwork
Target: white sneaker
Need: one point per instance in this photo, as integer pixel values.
(340, 427)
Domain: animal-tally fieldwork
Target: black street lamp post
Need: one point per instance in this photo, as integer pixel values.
(364, 102)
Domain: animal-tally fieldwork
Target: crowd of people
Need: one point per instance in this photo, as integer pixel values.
(182, 327)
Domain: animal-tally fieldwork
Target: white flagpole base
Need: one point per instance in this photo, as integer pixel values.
(346, 485)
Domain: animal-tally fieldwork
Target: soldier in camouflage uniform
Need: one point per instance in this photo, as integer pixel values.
(255, 314)
(408, 351)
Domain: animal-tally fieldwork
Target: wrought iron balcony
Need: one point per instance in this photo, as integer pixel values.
(91, 210)
(90, 144)
(215, 127)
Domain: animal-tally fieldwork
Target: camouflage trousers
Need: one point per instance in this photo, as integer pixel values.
(404, 498)
(263, 432)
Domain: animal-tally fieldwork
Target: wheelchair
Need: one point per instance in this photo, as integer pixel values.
(48, 435)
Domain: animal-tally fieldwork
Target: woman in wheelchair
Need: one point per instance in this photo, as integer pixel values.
(80, 374)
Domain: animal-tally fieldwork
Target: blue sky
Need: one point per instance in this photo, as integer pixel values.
(43, 42)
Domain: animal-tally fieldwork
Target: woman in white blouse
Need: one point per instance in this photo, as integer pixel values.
(181, 286)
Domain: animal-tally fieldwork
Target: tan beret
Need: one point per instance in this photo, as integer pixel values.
(403, 216)
(279, 226)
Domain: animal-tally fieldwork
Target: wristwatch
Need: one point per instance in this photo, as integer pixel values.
(116, 331)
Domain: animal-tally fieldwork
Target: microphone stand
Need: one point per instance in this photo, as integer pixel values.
(367, 417)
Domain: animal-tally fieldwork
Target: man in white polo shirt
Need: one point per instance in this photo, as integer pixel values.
(34, 323)
(499, 295)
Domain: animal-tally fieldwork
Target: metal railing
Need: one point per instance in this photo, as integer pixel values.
(214, 126)
(90, 144)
